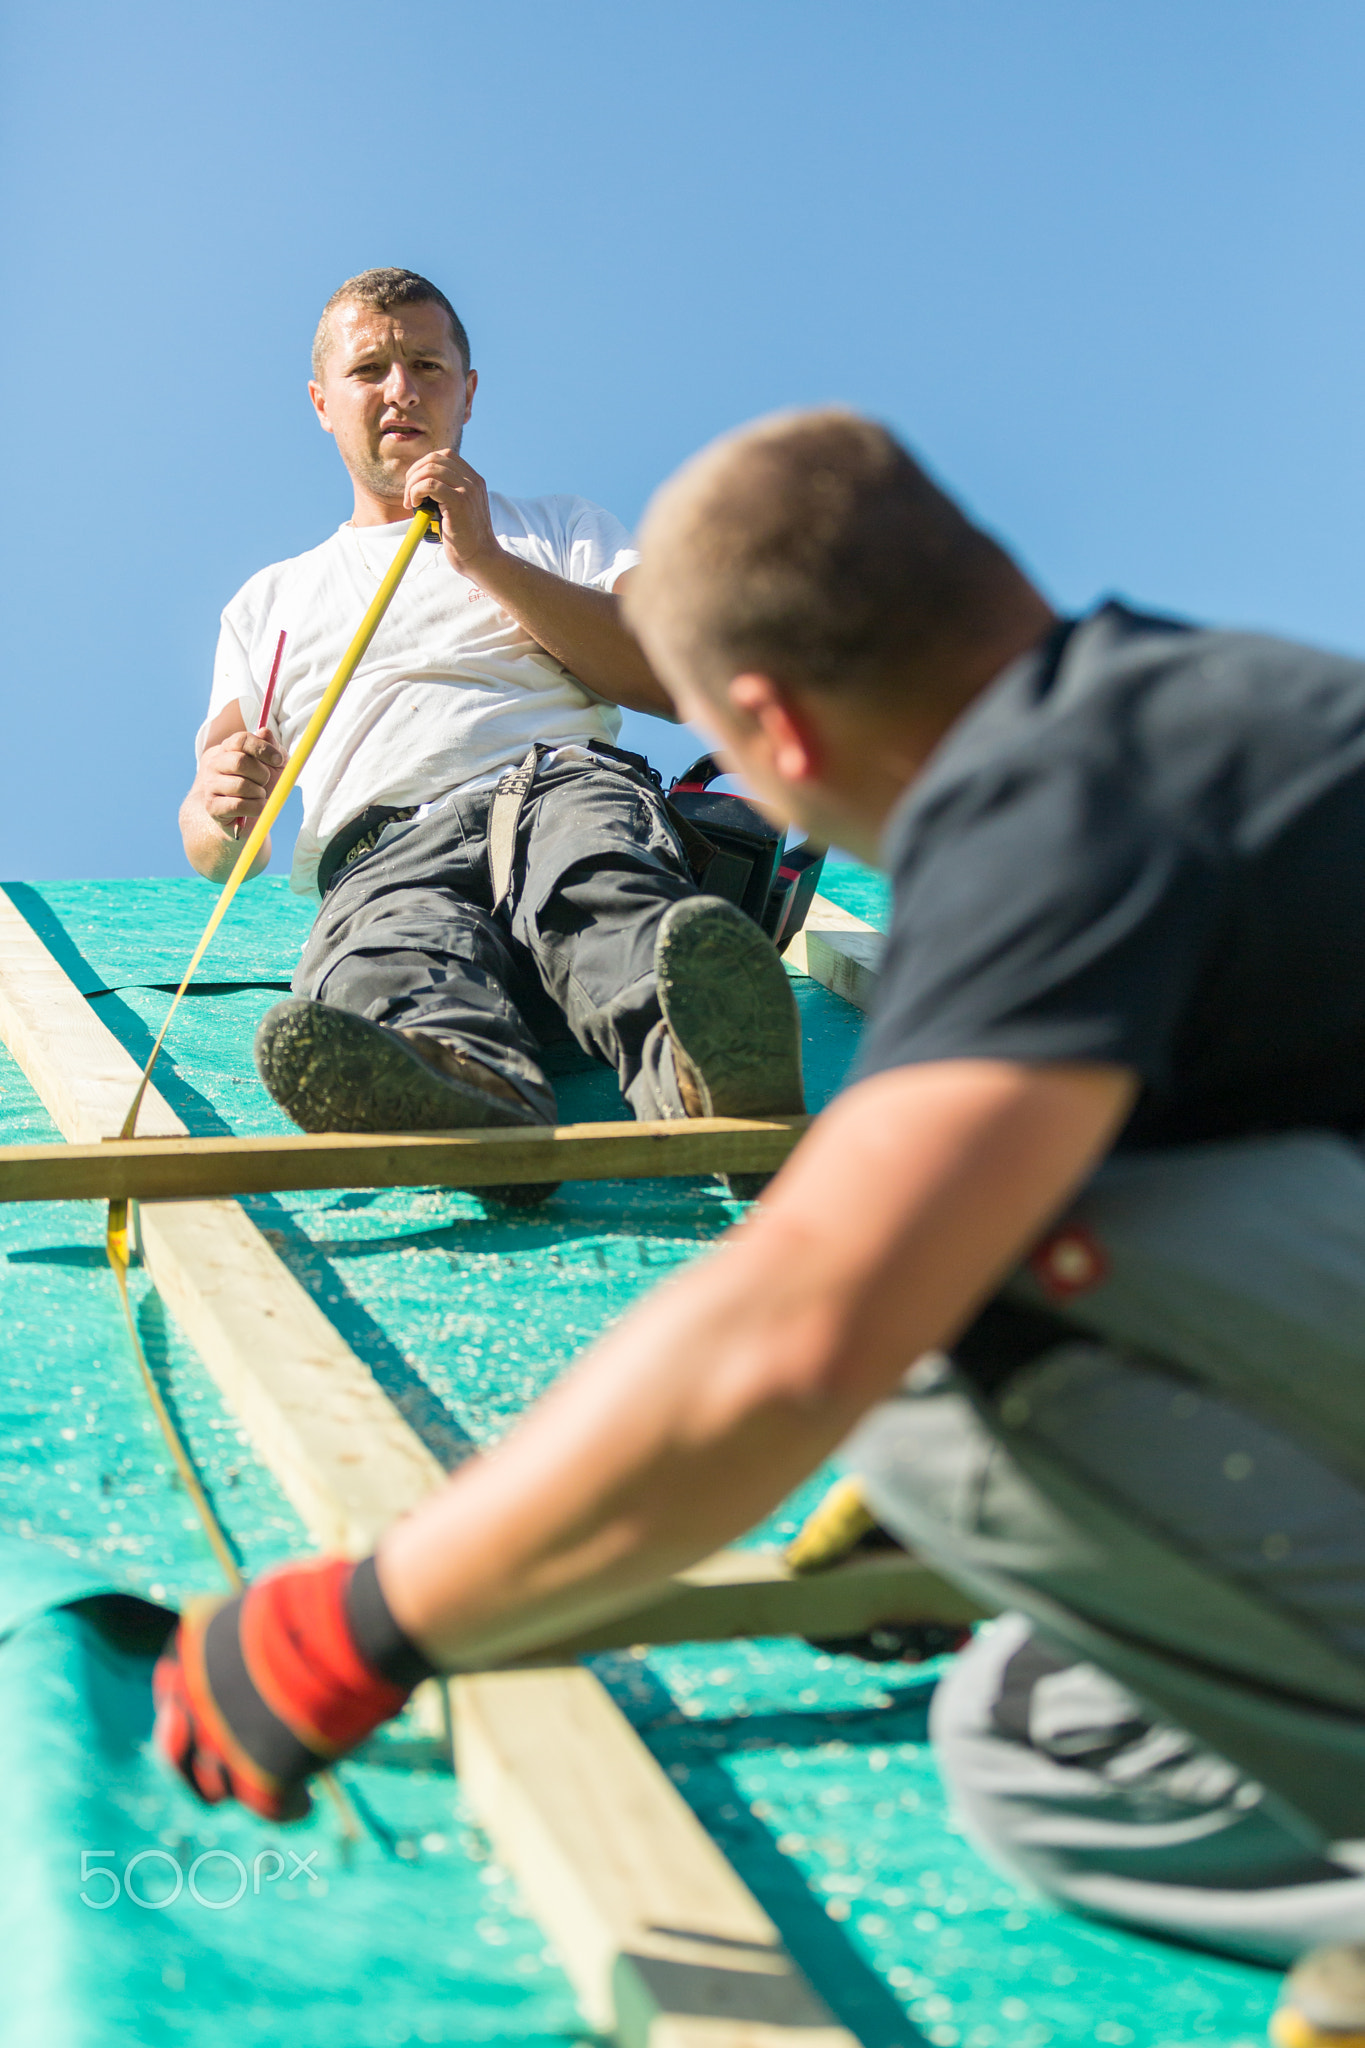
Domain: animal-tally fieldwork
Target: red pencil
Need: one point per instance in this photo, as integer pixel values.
(264, 726)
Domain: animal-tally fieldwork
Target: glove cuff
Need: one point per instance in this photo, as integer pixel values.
(379, 1639)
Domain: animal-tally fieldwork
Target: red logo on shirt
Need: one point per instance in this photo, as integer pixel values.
(1068, 1263)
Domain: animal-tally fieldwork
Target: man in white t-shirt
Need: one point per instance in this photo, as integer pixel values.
(456, 939)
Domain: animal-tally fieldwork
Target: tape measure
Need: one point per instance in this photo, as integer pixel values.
(426, 525)
(424, 522)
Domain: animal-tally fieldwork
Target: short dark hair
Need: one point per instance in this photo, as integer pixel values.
(383, 290)
(812, 547)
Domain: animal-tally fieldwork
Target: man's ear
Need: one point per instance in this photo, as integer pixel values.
(471, 385)
(781, 715)
(319, 398)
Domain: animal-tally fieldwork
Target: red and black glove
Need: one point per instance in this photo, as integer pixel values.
(257, 1692)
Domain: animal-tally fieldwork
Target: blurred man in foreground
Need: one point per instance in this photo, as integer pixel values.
(1078, 1257)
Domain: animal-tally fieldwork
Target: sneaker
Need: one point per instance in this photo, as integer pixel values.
(732, 1019)
(331, 1070)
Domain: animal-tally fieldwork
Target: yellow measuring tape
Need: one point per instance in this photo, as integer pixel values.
(117, 1243)
(275, 802)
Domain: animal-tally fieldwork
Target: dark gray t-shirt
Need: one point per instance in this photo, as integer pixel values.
(1145, 844)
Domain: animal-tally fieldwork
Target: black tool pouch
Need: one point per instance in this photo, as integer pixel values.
(734, 852)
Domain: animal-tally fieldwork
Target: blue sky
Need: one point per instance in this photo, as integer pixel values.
(1102, 264)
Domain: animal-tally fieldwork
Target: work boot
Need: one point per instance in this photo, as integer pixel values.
(331, 1070)
(731, 1017)
(1322, 2004)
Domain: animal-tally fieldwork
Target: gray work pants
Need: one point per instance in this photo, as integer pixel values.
(1152, 1450)
(408, 934)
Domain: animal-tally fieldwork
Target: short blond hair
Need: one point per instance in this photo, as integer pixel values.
(812, 547)
(382, 290)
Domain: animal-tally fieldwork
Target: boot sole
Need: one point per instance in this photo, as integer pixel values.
(729, 1007)
(331, 1070)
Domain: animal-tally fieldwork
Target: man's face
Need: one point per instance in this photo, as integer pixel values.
(393, 388)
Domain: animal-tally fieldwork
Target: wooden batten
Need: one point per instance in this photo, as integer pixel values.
(848, 962)
(754, 1593)
(840, 950)
(76, 1066)
(346, 1458)
(169, 1166)
(665, 1944)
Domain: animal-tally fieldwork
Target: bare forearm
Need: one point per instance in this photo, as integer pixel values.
(642, 1461)
(703, 1408)
(578, 626)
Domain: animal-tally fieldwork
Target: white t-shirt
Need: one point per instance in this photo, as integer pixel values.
(452, 689)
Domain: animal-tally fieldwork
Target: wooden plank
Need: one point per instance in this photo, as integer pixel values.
(665, 1944)
(840, 950)
(343, 1453)
(848, 963)
(82, 1074)
(823, 916)
(346, 1458)
(742, 1593)
(161, 1168)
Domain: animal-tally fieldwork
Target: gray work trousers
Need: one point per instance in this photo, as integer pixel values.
(1151, 1451)
(408, 934)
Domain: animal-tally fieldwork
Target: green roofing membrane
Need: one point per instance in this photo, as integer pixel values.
(812, 1771)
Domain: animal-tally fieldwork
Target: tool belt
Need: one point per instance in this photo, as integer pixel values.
(361, 834)
(358, 838)
(510, 795)
(730, 848)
